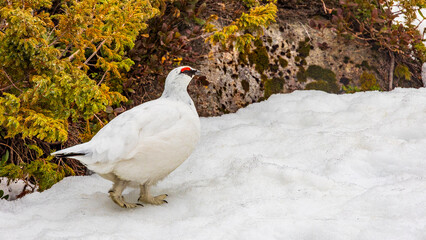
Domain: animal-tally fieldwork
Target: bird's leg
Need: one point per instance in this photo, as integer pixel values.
(147, 198)
(116, 194)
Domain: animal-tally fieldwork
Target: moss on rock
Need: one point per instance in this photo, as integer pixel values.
(318, 85)
(259, 57)
(304, 48)
(301, 74)
(274, 85)
(283, 62)
(326, 79)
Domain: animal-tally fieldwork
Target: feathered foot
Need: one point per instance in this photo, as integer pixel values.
(146, 197)
(116, 195)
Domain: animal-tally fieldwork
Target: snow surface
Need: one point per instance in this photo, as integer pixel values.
(305, 165)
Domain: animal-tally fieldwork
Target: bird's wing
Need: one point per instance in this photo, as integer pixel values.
(120, 137)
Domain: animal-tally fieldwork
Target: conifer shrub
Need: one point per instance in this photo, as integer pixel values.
(61, 63)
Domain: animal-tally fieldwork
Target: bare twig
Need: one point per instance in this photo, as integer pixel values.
(103, 77)
(70, 58)
(200, 36)
(100, 121)
(326, 10)
(19, 156)
(64, 52)
(10, 79)
(94, 53)
(50, 34)
(306, 31)
(392, 66)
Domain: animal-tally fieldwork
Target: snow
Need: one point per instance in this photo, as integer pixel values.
(12, 188)
(305, 165)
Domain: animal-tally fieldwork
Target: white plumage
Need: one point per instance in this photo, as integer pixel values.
(144, 144)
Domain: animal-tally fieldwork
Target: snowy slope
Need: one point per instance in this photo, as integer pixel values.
(305, 165)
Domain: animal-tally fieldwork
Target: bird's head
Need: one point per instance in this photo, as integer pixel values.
(178, 79)
(181, 76)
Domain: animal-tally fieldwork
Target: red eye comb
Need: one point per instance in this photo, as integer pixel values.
(185, 69)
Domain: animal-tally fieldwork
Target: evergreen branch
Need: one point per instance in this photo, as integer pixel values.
(70, 58)
(94, 53)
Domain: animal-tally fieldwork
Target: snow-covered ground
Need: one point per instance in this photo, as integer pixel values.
(306, 165)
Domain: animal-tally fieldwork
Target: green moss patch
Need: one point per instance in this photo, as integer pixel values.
(326, 79)
(283, 62)
(301, 75)
(274, 85)
(259, 57)
(318, 85)
(304, 48)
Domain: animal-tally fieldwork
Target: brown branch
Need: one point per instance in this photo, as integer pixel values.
(64, 52)
(100, 121)
(70, 58)
(392, 66)
(19, 156)
(206, 35)
(326, 10)
(10, 79)
(94, 53)
(99, 83)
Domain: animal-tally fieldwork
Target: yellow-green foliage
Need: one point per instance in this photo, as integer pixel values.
(402, 72)
(368, 82)
(274, 85)
(241, 33)
(251, 3)
(351, 89)
(45, 65)
(46, 59)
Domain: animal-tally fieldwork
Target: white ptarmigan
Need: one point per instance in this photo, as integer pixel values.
(146, 143)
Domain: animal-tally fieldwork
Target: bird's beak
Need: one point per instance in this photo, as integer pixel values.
(197, 72)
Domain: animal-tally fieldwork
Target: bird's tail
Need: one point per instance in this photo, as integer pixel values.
(70, 154)
(76, 152)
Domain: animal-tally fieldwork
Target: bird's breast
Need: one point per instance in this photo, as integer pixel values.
(158, 155)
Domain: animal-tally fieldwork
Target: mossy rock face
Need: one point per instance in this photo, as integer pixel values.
(274, 85)
(365, 66)
(326, 79)
(259, 57)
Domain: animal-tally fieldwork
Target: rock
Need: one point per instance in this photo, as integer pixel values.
(290, 56)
